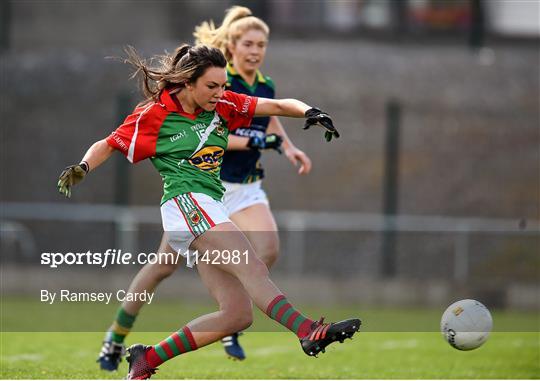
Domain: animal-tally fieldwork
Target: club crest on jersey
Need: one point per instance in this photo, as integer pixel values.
(194, 217)
(220, 130)
(207, 158)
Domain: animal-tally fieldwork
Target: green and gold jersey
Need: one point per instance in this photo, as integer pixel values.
(186, 149)
(244, 166)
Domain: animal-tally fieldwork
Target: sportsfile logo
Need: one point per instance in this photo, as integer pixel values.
(118, 257)
(107, 258)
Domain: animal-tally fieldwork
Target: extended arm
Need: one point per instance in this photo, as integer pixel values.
(281, 107)
(292, 153)
(242, 143)
(97, 154)
(237, 143)
(297, 109)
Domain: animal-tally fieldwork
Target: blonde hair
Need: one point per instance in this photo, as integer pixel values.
(238, 20)
(185, 65)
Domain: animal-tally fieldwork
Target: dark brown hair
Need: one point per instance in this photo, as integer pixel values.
(185, 65)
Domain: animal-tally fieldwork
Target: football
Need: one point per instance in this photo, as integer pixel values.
(466, 324)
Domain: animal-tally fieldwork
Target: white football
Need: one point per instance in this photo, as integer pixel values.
(466, 324)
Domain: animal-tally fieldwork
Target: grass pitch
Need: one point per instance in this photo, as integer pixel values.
(374, 354)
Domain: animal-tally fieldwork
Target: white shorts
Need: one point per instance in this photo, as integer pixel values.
(240, 196)
(187, 216)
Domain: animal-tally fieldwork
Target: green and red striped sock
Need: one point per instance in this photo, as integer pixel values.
(174, 345)
(285, 314)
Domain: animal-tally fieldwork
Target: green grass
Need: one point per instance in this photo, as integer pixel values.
(278, 355)
(19, 314)
(373, 353)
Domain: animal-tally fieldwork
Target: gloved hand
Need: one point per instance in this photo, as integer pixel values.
(270, 141)
(70, 176)
(315, 116)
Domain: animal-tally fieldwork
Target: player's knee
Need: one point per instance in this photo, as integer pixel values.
(269, 255)
(254, 267)
(257, 268)
(238, 318)
(267, 250)
(162, 271)
(242, 322)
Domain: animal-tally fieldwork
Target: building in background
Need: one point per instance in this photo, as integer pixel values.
(25, 23)
(419, 18)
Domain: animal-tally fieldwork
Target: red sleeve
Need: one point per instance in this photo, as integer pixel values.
(237, 109)
(136, 138)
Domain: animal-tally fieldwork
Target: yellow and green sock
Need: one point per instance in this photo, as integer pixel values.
(120, 327)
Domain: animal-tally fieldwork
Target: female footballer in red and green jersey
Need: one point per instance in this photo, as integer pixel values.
(186, 97)
(243, 39)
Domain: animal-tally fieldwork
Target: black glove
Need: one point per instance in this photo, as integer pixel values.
(70, 176)
(315, 116)
(270, 141)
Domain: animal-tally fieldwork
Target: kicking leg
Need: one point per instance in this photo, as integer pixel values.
(254, 276)
(235, 313)
(258, 224)
(147, 279)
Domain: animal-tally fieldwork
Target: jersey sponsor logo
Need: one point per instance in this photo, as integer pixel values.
(249, 132)
(245, 106)
(207, 158)
(198, 127)
(119, 141)
(180, 135)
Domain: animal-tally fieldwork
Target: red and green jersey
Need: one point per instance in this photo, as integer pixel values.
(186, 149)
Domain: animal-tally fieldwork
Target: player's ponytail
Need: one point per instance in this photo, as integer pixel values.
(147, 76)
(179, 52)
(237, 21)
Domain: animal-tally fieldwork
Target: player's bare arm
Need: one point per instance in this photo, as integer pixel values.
(292, 152)
(242, 143)
(294, 108)
(281, 107)
(98, 153)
